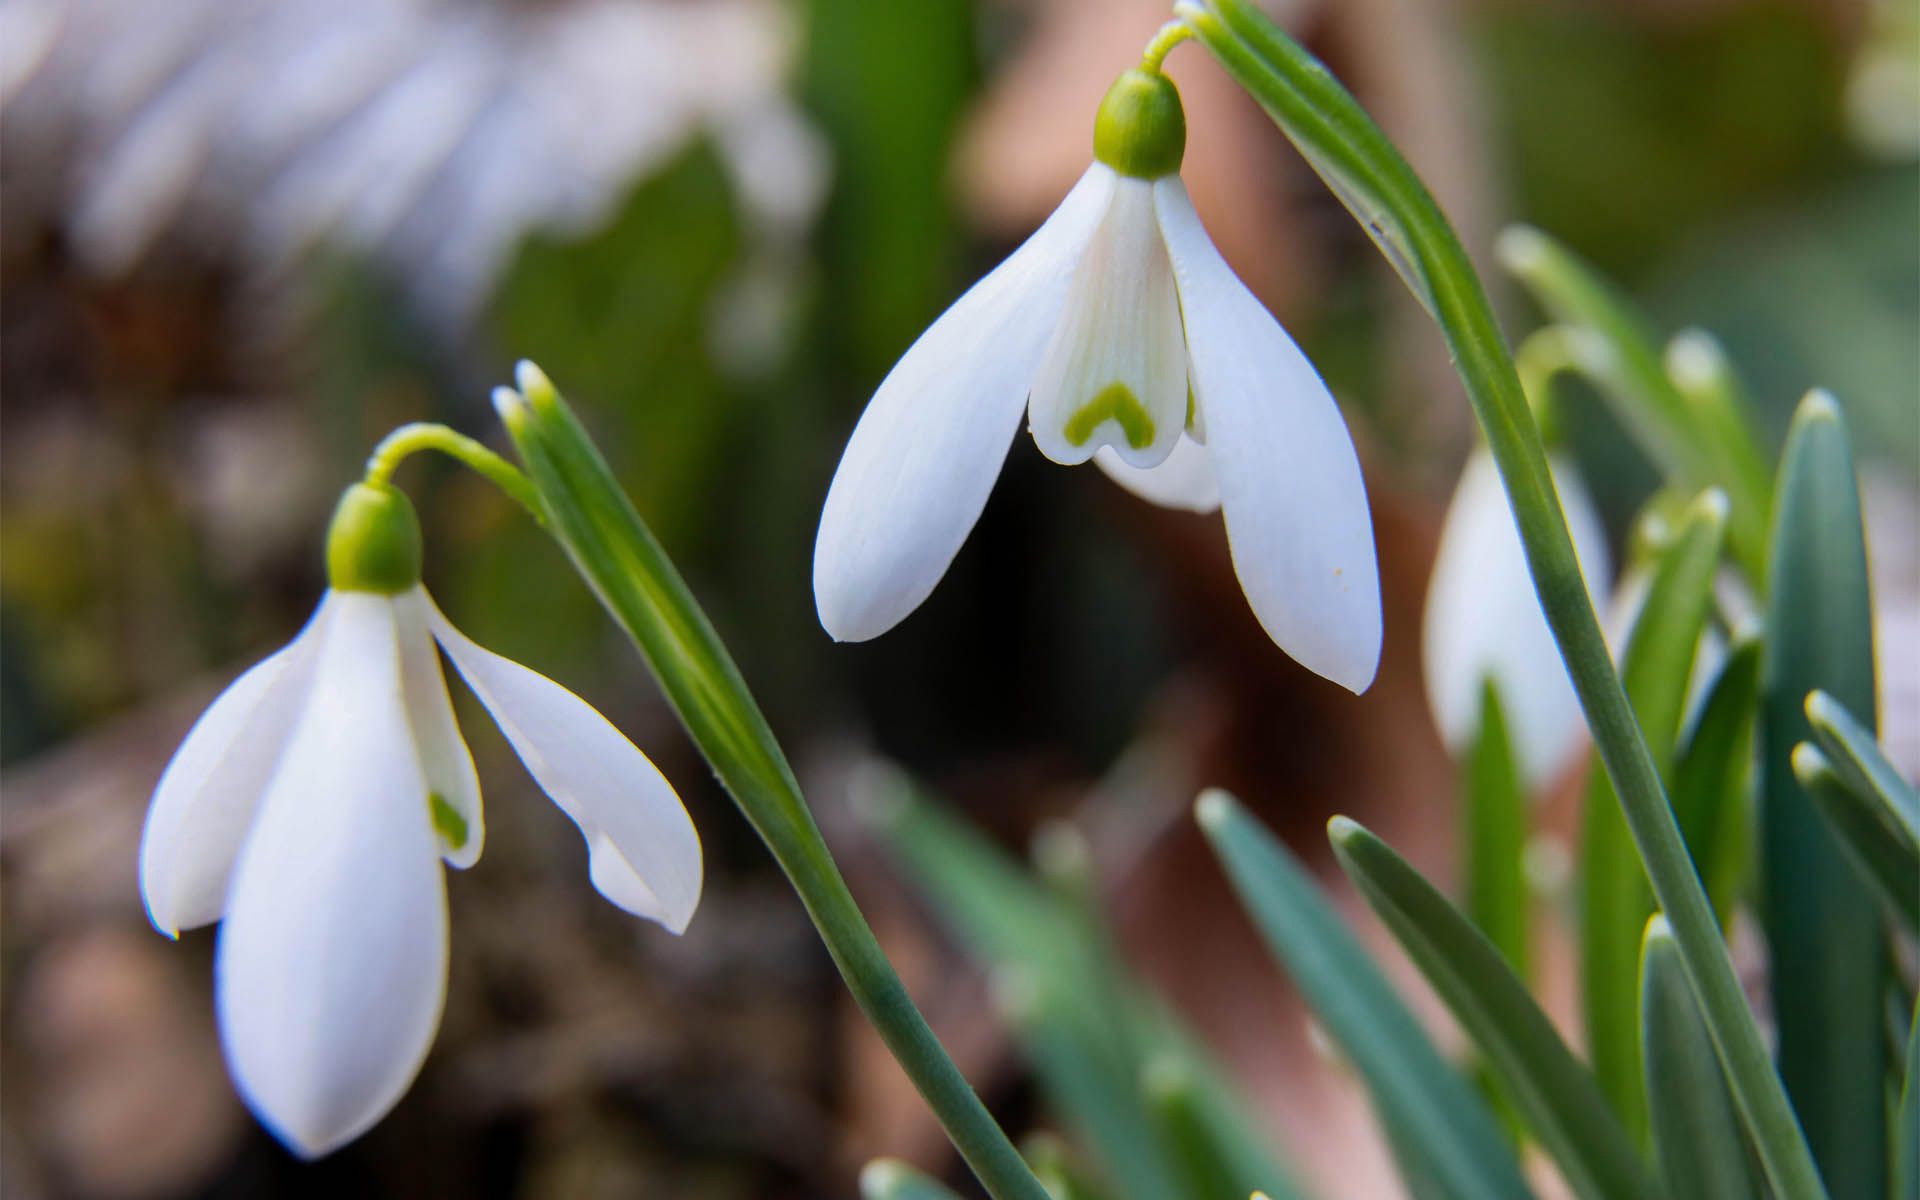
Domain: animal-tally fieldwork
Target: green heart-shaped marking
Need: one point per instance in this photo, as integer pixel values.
(1116, 402)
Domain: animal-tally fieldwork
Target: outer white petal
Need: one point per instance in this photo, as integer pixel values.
(644, 852)
(211, 789)
(1185, 480)
(1118, 337)
(1290, 485)
(444, 757)
(921, 461)
(332, 960)
(1483, 620)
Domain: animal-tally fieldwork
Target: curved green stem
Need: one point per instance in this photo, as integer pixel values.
(423, 435)
(612, 548)
(1363, 168)
(1164, 40)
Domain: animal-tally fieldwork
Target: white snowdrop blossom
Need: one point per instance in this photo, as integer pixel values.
(1484, 620)
(1126, 339)
(309, 810)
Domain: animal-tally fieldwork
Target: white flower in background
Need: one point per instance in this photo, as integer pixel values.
(308, 811)
(429, 136)
(1484, 620)
(1127, 340)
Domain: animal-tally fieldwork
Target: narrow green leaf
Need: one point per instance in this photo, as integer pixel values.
(1445, 1125)
(1696, 435)
(891, 1179)
(1723, 414)
(1089, 1030)
(1712, 781)
(1496, 821)
(1881, 852)
(1907, 1162)
(1554, 1092)
(1696, 1131)
(1823, 924)
(1860, 762)
(1172, 1095)
(1615, 897)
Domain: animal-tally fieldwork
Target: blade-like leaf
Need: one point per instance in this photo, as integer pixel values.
(1696, 443)
(1907, 1153)
(1713, 778)
(1496, 819)
(1089, 1030)
(1696, 1131)
(1881, 852)
(1444, 1123)
(1554, 1092)
(1823, 924)
(891, 1179)
(1860, 762)
(1615, 897)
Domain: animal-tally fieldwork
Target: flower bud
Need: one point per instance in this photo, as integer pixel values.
(373, 544)
(1141, 129)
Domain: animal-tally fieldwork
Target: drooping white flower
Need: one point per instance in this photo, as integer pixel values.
(1126, 338)
(310, 808)
(1484, 620)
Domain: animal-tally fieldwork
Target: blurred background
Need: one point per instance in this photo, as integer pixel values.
(241, 239)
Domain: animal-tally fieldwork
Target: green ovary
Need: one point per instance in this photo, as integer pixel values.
(1116, 402)
(447, 819)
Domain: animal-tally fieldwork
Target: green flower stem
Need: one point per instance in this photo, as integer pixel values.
(422, 435)
(613, 549)
(1369, 175)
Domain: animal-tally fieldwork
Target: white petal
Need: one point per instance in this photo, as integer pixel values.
(1484, 621)
(645, 854)
(921, 461)
(1115, 373)
(1185, 480)
(332, 960)
(1290, 486)
(211, 789)
(444, 757)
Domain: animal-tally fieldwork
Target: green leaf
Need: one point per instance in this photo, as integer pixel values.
(1443, 1123)
(1090, 1031)
(1712, 780)
(1698, 437)
(1860, 762)
(1907, 1162)
(1823, 924)
(1882, 852)
(1496, 821)
(1656, 667)
(891, 1179)
(1696, 1131)
(1555, 1094)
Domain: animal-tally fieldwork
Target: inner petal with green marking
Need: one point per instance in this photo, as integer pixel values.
(1115, 373)
(1117, 403)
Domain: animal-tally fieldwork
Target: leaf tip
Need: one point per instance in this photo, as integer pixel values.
(1521, 249)
(1213, 809)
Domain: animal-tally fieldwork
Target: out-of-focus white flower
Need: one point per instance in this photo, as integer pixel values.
(1126, 339)
(430, 134)
(1484, 620)
(309, 809)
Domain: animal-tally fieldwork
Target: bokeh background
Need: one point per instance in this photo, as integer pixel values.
(241, 239)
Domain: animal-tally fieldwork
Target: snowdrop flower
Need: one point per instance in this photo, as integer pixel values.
(308, 811)
(1126, 339)
(1484, 620)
